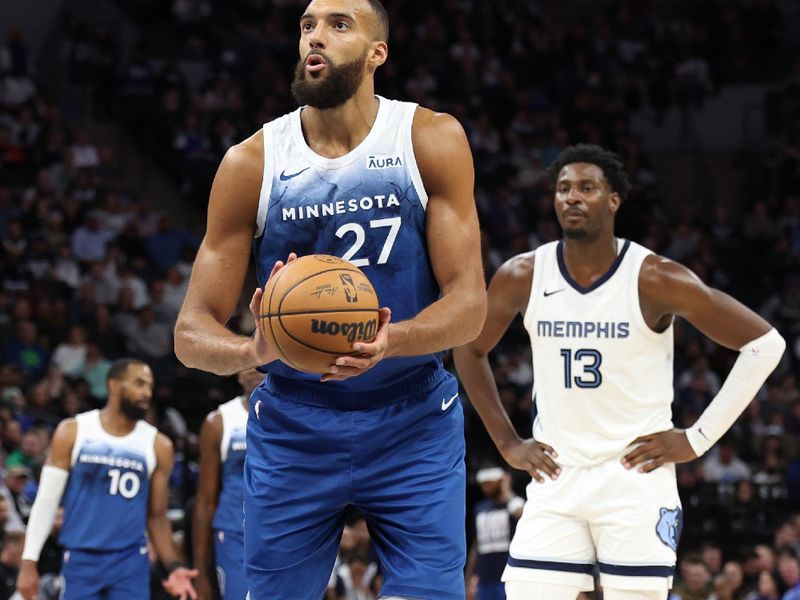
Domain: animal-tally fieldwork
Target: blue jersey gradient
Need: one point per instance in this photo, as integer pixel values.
(353, 211)
(101, 510)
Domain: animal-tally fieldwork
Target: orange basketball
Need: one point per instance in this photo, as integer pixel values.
(315, 308)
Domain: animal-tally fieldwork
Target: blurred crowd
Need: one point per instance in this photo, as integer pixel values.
(90, 271)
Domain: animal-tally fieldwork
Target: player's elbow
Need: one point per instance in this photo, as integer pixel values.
(182, 342)
(475, 310)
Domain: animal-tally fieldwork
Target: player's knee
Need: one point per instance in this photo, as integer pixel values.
(529, 590)
(611, 594)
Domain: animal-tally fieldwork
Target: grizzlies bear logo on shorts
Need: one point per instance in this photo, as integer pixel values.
(669, 526)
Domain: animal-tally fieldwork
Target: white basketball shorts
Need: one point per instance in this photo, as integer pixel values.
(625, 523)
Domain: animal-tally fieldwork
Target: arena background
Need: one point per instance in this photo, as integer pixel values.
(115, 114)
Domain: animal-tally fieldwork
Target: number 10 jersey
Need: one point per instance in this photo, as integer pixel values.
(368, 207)
(602, 377)
(105, 503)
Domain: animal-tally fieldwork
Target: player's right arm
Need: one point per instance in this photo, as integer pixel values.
(202, 341)
(507, 297)
(52, 482)
(206, 501)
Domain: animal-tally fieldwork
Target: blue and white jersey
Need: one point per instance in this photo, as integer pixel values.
(106, 500)
(602, 377)
(229, 515)
(494, 528)
(367, 207)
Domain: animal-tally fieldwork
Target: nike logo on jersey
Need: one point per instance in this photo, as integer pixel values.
(285, 177)
(547, 293)
(700, 431)
(446, 403)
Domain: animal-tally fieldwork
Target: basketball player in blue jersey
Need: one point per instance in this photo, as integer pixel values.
(220, 495)
(599, 311)
(115, 469)
(388, 186)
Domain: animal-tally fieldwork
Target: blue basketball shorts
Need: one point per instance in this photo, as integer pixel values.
(116, 575)
(400, 461)
(229, 555)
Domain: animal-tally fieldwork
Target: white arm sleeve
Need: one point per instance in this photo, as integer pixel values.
(43, 513)
(757, 359)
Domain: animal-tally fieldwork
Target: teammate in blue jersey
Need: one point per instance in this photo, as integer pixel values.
(599, 312)
(218, 510)
(388, 186)
(112, 469)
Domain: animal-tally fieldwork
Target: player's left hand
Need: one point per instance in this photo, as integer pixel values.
(369, 354)
(657, 449)
(179, 583)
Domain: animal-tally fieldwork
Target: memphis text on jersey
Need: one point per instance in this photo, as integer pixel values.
(583, 329)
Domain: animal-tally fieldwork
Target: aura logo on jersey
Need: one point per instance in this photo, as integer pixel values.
(364, 330)
(669, 526)
(383, 161)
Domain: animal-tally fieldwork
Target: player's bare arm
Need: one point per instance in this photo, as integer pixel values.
(206, 502)
(668, 289)
(179, 582)
(202, 340)
(453, 237)
(40, 523)
(508, 295)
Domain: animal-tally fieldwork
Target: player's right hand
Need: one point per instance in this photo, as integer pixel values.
(534, 457)
(261, 352)
(28, 580)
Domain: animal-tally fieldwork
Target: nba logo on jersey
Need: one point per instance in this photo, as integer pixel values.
(669, 526)
(383, 161)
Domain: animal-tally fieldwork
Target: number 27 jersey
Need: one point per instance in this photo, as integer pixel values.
(367, 207)
(105, 503)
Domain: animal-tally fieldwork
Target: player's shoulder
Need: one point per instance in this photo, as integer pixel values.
(67, 430)
(659, 271)
(163, 444)
(430, 125)
(247, 154)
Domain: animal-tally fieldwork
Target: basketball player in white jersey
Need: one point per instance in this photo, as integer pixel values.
(599, 311)
(388, 186)
(113, 469)
(218, 513)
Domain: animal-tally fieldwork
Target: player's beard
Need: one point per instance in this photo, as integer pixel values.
(132, 410)
(333, 89)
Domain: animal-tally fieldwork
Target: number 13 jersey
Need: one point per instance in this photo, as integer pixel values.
(602, 377)
(367, 207)
(105, 503)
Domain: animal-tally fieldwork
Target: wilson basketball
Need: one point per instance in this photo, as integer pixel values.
(315, 308)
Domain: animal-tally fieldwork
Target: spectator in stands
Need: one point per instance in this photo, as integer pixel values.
(12, 488)
(70, 356)
(10, 561)
(25, 353)
(723, 464)
(695, 582)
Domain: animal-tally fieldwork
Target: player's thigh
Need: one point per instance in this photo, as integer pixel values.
(296, 481)
(229, 556)
(636, 528)
(410, 482)
(531, 590)
(612, 594)
(130, 575)
(552, 543)
(86, 575)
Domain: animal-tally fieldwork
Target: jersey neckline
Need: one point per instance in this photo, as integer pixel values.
(562, 266)
(344, 160)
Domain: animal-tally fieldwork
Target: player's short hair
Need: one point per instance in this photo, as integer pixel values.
(609, 162)
(120, 367)
(382, 17)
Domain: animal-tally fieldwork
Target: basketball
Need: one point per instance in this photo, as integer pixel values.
(315, 308)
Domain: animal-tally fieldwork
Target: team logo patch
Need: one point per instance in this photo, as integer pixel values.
(669, 526)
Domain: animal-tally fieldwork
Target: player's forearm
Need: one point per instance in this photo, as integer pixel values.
(202, 343)
(201, 532)
(477, 378)
(455, 319)
(756, 361)
(160, 530)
